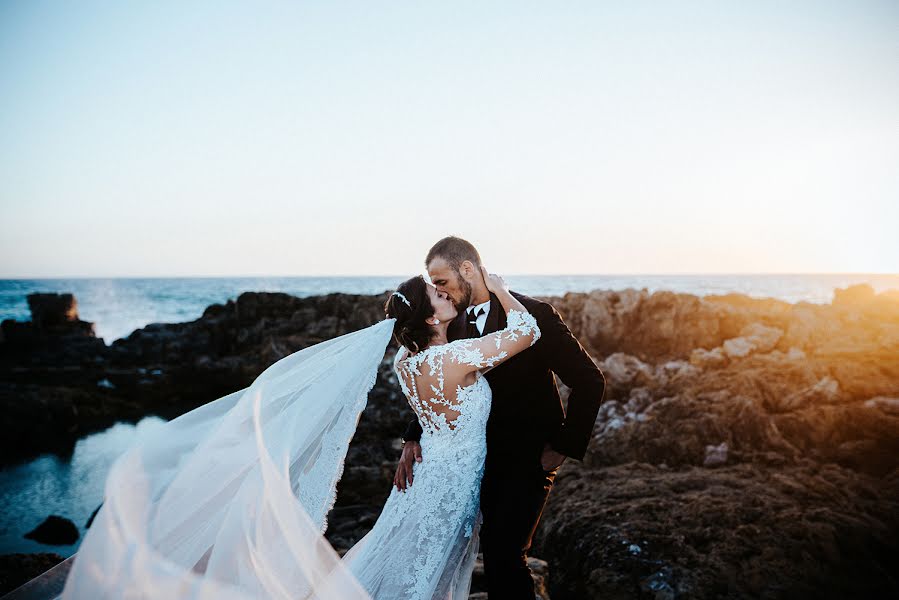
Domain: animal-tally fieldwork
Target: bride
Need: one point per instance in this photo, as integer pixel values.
(229, 501)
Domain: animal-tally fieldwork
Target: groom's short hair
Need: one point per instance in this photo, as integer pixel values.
(454, 250)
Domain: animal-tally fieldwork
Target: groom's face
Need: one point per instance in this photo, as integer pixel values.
(449, 281)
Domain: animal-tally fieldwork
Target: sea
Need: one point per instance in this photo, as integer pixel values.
(72, 486)
(118, 306)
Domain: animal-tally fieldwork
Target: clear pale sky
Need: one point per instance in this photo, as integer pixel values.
(225, 138)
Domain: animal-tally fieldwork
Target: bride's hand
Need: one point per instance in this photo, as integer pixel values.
(404, 473)
(494, 282)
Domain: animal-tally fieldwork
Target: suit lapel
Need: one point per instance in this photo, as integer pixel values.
(496, 318)
(456, 329)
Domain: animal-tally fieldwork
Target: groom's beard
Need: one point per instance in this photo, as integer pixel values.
(465, 300)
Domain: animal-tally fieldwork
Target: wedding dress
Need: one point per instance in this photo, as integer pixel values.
(428, 535)
(229, 501)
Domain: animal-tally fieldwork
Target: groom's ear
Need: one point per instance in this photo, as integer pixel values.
(468, 270)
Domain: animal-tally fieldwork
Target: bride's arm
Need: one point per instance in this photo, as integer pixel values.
(484, 353)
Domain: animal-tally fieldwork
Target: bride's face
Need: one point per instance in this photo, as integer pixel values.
(444, 309)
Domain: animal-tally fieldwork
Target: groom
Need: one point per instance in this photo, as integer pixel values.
(529, 435)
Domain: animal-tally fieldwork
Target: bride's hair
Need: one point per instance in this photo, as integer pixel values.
(410, 329)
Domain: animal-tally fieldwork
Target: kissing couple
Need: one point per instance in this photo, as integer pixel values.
(230, 500)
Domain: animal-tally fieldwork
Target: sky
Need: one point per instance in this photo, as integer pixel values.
(345, 138)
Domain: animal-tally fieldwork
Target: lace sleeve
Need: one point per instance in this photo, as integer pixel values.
(521, 332)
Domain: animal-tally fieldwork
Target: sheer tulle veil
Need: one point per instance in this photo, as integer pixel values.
(229, 501)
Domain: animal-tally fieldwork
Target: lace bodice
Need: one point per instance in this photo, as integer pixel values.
(423, 376)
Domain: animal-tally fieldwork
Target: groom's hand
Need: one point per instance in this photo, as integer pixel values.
(550, 459)
(411, 453)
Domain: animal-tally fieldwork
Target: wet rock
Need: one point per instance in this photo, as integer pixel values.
(55, 530)
(50, 418)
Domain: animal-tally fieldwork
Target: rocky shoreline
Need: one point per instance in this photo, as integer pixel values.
(746, 448)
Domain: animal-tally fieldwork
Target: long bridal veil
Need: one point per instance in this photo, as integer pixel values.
(229, 501)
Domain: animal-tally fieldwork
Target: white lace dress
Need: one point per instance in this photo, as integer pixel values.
(424, 543)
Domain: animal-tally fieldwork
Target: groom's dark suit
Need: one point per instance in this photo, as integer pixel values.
(527, 412)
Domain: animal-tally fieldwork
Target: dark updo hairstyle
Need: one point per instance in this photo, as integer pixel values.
(410, 329)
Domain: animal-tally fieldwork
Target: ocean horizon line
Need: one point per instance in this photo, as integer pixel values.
(120, 305)
(509, 274)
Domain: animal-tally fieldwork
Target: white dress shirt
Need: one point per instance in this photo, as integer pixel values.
(482, 318)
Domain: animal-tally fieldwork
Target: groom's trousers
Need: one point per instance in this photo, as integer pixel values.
(512, 502)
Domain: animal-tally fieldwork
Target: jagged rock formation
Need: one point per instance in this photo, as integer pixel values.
(746, 448)
(56, 386)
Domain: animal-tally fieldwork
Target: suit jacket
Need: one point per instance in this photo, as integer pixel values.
(527, 410)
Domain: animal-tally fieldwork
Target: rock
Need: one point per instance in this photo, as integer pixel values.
(825, 391)
(90, 519)
(674, 371)
(854, 295)
(753, 338)
(862, 298)
(55, 387)
(623, 372)
(822, 434)
(795, 354)
(56, 531)
(887, 405)
(737, 347)
(763, 338)
(54, 336)
(703, 358)
(737, 531)
(746, 447)
(49, 311)
(648, 326)
(715, 455)
(658, 585)
(18, 569)
(50, 418)
(539, 571)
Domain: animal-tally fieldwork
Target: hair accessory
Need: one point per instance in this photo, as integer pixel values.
(403, 298)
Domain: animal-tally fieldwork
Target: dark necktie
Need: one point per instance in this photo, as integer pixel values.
(472, 331)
